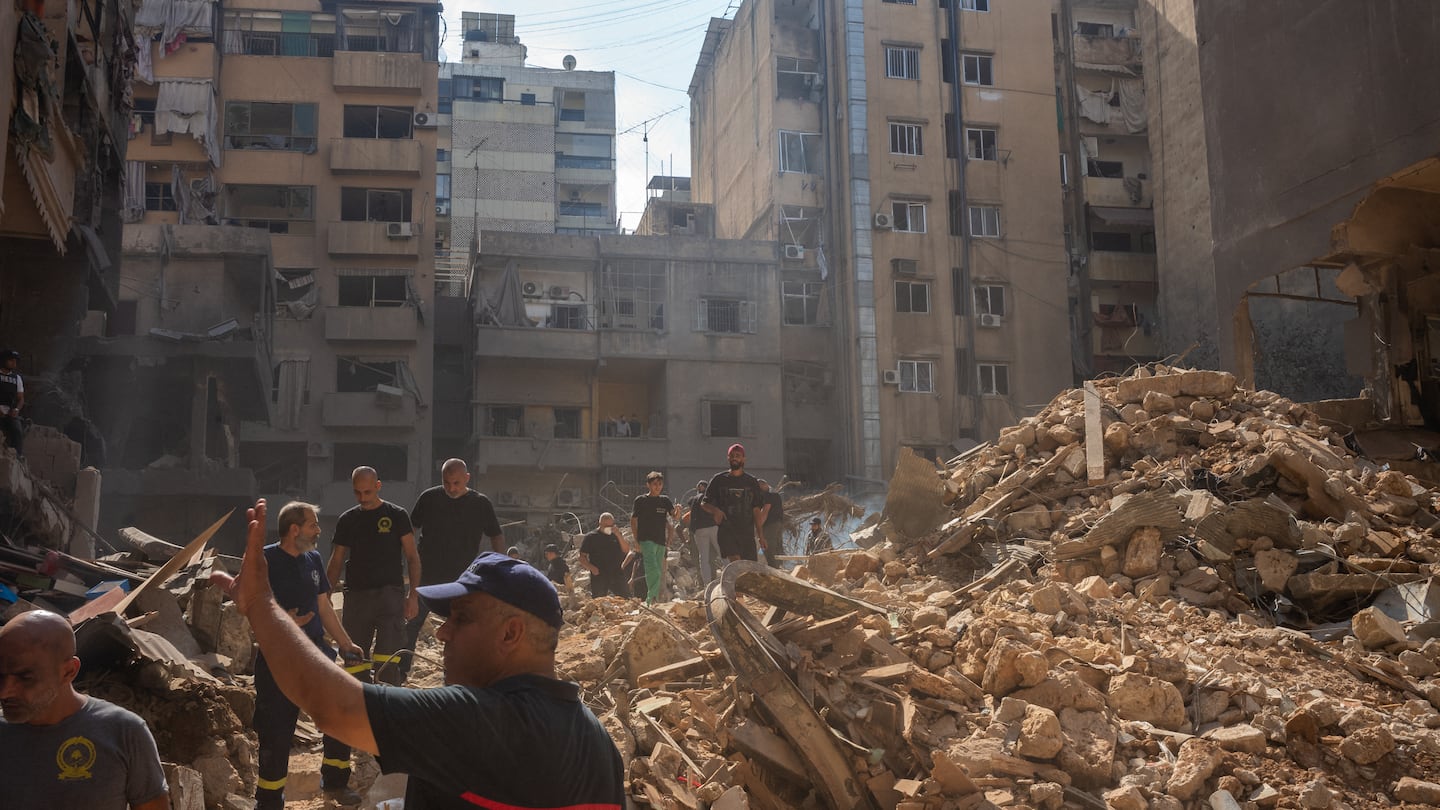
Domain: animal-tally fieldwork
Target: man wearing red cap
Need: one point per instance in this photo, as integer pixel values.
(734, 500)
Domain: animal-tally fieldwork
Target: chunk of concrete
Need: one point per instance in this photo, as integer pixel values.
(1197, 762)
(1133, 696)
(1376, 630)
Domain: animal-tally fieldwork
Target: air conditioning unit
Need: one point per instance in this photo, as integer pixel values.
(569, 497)
(425, 120)
(442, 209)
(399, 230)
(505, 498)
(557, 291)
(991, 321)
(883, 221)
(891, 376)
(574, 195)
(530, 289)
(388, 396)
(904, 267)
(317, 450)
(795, 253)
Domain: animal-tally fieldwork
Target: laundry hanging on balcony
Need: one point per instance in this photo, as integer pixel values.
(174, 21)
(187, 106)
(134, 205)
(1132, 105)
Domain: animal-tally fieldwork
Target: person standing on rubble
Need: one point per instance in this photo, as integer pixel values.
(703, 530)
(62, 748)
(12, 399)
(297, 578)
(650, 524)
(451, 518)
(772, 516)
(601, 553)
(818, 539)
(377, 537)
(479, 740)
(734, 501)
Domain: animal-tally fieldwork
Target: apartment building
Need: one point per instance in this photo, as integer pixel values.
(930, 240)
(1105, 177)
(598, 359)
(277, 292)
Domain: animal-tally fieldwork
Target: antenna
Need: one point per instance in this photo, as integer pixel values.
(644, 127)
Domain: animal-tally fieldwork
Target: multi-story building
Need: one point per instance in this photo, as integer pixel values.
(279, 265)
(911, 186)
(670, 210)
(598, 359)
(1105, 179)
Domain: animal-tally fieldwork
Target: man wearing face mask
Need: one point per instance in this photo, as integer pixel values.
(602, 552)
(297, 577)
(451, 519)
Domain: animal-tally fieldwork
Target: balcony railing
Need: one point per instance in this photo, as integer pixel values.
(564, 161)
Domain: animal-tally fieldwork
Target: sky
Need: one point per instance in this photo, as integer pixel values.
(651, 45)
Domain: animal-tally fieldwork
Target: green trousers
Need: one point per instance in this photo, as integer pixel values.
(654, 554)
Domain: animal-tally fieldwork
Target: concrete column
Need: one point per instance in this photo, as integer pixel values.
(87, 511)
(199, 405)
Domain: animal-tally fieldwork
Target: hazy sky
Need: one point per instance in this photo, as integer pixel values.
(651, 45)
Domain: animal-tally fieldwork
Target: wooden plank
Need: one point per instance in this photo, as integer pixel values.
(761, 744)
(174, 564)
(678, 671)
(1094, 437)
(104, 603)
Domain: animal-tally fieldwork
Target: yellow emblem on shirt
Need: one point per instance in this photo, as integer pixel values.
(384, 525)
(75, 758)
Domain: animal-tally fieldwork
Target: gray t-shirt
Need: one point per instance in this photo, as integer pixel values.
(99, 758)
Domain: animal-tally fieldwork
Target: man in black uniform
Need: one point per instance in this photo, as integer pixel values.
(297, 577)
(475, 742)
(12, 399)
(556, 570)
(704, 531)
(451, 518)
(601, 553)
(377, 537)
(734, 501)
(650, 524)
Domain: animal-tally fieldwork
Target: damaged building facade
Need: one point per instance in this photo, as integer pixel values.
(274, 323)
(938, 244)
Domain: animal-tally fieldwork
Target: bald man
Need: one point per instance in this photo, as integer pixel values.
(376, 537)
(62, 748)
(451, 519)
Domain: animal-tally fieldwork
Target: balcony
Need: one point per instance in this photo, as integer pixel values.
(371, 324)
(367, 409)
(530, 343)
(1125, 268)
(373, 239)
(536, 453)
(370, 72)
(1102, 50)
(375, 156)
(1111, 192)
(634, 452)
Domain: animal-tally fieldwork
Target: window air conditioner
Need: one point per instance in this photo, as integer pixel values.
(991, 321)
(883, 221)
(399, 230)
(569, 497)
(795, 252)
(891, 376)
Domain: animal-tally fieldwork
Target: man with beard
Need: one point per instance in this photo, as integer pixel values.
(62, 748)
(735, 502)
(450, 518)
(297, 578)
(602, 552)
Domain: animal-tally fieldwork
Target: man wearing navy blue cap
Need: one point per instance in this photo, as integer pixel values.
(476, 741)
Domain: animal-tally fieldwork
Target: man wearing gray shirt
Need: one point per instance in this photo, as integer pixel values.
(62, 748)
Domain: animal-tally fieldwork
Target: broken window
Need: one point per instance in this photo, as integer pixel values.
(800, 302)
(908, 217)
(917, 376)
(567, 423)
(572, 105)
(632, 294)
(356, 376)
(800, 152)
(279, 467)
(294, 285)
(374, 121)
(503, 420)
(795, 77)
(725, 419)
(274, 208)
(390, 461)
(374, 204)
(1091, 29)
(374, 291)
(1105, 168)
(267, 125)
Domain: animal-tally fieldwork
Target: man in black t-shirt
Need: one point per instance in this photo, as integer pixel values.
(478, 741)
(705, 532)
(650, 524)
(451, 519)
(772, 514)
(601, 553)
(556, 569)
(377, 537)
(734, 500)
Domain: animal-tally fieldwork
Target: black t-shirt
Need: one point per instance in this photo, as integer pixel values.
(465, 747)
(699, 518)
(777, 508)
(556, 569)
(651, 513)
(604, 551)
(453, 531)
(373, 537)
(297, 582)
(737, 496)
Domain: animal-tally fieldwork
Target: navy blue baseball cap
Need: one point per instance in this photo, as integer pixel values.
(514, 582)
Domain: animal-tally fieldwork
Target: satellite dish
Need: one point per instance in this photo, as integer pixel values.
(568, 62)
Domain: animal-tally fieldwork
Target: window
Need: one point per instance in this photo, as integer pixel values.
(902, 63)
(503, 420)
(487, 88)
(1106, 168)
(374, 291)
(159, 197)
(912, 296)
(978, 69)
(1099, 240)
(1090, 29)
(442, 155)
(572, 106)
(990, 300)
(567, 316)
(724, 419)
(370, 121)
(985, 221)
(354, 375)
(980, 143)
(528, 99)
(279, 33)
(905, 139)
(974, 5)
(567, 423)
(909, 217)
(375, 204)
(442, 187)
(276, 208)
(383, 30)
(1064, 170)
(265, 125)
(446, 97)
(917, 376)
(800, 152)
(994, 379)
(800, 302)
(728, 315)
(574, 150)
(901, 2)
(795, 77)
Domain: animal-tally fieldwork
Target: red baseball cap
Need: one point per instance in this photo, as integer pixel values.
(734, 447)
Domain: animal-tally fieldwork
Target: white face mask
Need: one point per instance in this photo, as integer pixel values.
(608, 529)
